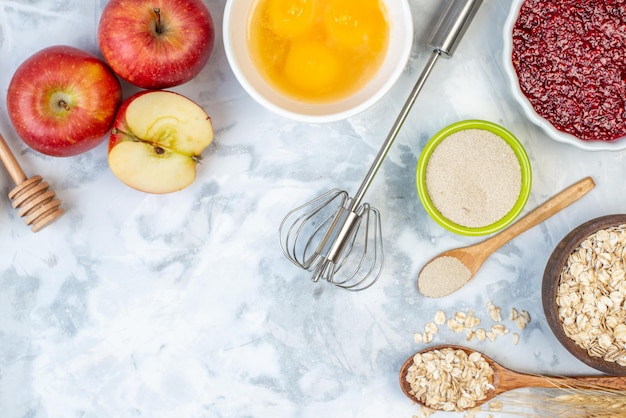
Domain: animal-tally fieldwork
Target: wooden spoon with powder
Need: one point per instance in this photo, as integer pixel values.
(452, 269)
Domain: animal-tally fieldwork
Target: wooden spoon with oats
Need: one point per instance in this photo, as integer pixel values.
(455, 378)
(452, 269)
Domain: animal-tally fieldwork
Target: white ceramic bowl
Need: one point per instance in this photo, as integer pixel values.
(235, 43)
(511, 74)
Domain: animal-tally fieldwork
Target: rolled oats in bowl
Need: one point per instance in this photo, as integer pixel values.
(584, 293)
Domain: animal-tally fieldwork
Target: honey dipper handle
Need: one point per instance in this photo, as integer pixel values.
(541, 213)
(10, 163)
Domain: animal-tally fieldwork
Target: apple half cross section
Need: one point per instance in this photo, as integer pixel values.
(156, 141)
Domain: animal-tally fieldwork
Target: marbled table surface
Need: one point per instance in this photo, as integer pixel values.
(183, 305)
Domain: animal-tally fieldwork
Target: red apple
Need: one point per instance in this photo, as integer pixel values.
(157, 139)
(156, 44)
(62, 100)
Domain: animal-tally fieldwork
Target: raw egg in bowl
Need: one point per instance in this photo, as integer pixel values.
(317, 60)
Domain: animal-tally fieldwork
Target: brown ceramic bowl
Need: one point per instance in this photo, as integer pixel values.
(551, 278)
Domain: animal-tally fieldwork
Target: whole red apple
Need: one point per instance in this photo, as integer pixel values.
(62, 100)
(156, 44)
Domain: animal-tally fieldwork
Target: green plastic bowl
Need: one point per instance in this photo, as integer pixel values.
(524, 163)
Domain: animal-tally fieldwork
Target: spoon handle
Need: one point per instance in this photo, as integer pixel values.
(541, 213)
(520, 380)
(596, 382)
(509, 380)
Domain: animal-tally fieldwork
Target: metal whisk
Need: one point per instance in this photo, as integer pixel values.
(337, 237)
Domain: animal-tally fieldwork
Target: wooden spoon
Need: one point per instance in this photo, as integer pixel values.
(452, 269)
(505, 379)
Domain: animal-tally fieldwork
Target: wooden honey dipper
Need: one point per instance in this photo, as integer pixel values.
(31, 196)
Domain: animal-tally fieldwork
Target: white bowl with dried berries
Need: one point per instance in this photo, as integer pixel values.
(567, 70)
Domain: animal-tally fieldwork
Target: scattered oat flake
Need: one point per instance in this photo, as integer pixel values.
(431, 328)
(499, 329)
(495, 406)
(424, 412)
(460, 317)
(440, 318)
(455, 325)
(481, 334)
(494, 312)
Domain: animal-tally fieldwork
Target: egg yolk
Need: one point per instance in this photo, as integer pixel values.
(353, 24)
(318, 50)
(312, 66)
(291, 18)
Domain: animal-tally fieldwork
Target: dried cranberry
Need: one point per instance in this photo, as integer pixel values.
(570, 58)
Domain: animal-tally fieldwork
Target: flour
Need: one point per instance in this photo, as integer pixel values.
(442, 276)
(473, 178)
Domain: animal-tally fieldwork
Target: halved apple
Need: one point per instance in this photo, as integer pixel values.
(156, 141)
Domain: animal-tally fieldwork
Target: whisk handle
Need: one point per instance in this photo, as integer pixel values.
(452, 25)
(339, 234)
(395, 129)
(444, 40)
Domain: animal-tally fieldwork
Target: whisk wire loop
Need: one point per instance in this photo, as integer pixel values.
(311, 218)
(336, 242)
(362, 270)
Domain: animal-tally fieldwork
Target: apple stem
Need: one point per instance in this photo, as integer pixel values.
(116, 131)
(157, 12)
(159, 150)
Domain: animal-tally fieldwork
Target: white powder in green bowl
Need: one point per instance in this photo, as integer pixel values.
(473, 178)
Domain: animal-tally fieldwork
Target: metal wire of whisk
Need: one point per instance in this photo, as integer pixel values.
(339, 238)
